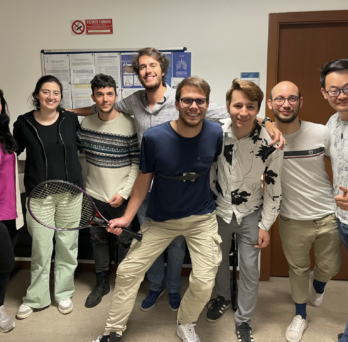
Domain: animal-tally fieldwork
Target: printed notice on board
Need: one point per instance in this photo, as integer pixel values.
(82, 68)
(81, 94)
(58, 66)
(108, 64)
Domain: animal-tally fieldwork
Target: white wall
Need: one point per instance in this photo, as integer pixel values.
(225, 37)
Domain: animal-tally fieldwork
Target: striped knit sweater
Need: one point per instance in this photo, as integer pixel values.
(112, 155)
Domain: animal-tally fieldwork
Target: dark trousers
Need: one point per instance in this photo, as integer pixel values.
(105, 243)
(8, 239)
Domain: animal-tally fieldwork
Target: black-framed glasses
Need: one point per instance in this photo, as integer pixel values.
(337, 92)
(187, 102)
(280, 100)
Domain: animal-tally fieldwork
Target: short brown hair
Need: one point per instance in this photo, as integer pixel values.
(151, 52)
(251, 90)
(193, 81)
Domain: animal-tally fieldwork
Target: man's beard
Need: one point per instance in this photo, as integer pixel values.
(152, 87)
(287, 120)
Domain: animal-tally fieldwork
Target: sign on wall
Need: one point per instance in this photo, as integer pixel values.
(91, 27)
(251, 76)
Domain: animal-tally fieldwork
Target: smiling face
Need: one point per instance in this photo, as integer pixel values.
(285, 103)
(334, 81)
(193, 115)
(150, 73)
(49, 96)
(105, 99)
(243, 112)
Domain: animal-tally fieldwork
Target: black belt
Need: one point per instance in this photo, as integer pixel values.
(189, 176)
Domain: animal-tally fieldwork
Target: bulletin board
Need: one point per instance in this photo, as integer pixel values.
(76, 68)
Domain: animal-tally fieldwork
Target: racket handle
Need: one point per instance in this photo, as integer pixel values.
(132, 234)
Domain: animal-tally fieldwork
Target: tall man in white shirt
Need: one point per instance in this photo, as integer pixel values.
(241, 205)
(307, 212)
(334, 82)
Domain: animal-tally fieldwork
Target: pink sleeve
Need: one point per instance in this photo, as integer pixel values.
(1, 154)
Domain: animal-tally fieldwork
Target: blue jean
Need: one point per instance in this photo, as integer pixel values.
(175, 258)
(343, 230)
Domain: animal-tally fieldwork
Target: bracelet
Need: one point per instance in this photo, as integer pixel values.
(265, 120)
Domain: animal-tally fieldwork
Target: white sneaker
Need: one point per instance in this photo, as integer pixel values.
(65, 306)
(187, 332)
(295, 330)
(6, 323)
(24, 311)
(314, 297)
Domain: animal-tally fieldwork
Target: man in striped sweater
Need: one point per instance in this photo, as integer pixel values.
(110, 143)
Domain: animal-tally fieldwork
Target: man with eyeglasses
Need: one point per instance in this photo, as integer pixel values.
(150, 107)
(334, 82)
(178, 156)
(307, 212)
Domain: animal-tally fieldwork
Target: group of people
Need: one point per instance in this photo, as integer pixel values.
(211, 160)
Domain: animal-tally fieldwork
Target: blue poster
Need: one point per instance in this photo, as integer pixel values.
(181, 64)
(170, 70)
(129, 79)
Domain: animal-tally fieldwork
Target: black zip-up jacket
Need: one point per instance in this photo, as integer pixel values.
(27, 137)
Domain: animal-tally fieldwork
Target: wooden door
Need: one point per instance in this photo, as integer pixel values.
(298, 45)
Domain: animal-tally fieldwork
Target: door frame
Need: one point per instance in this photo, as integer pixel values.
(276, 20)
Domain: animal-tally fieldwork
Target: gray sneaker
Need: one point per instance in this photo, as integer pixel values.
(6, 323)
(24, 311)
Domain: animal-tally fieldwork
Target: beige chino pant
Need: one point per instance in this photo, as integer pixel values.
(297, 239)
(203, 242)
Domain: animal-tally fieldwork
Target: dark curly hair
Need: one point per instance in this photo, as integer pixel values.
(152, 52)
(42, 80)
(103, 81)
(8, 143)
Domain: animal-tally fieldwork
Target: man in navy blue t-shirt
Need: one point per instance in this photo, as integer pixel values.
(177, 155)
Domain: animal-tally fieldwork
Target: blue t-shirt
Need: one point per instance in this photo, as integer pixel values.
(166, 153)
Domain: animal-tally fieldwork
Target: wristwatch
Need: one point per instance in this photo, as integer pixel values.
(265, 120)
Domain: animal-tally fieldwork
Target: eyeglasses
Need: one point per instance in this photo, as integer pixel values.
(48, 93)
(337, 92)
(279, 101)
(200, 102)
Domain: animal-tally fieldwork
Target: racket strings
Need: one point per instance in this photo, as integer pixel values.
(61, 205)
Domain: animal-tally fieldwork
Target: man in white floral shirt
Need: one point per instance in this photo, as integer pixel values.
(241, 205)
(334, 82)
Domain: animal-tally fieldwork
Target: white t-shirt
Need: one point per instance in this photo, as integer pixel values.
(307, 191)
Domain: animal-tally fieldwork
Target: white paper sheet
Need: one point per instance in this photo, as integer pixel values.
(176, 81)
(108, 64)
(67, 101)
(81, 94)
(58, 66)
(82, 68)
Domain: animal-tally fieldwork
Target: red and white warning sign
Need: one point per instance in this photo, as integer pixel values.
(78, 27)
(99, 26)
(91, 26)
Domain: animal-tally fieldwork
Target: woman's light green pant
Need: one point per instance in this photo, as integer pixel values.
(65, 261)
